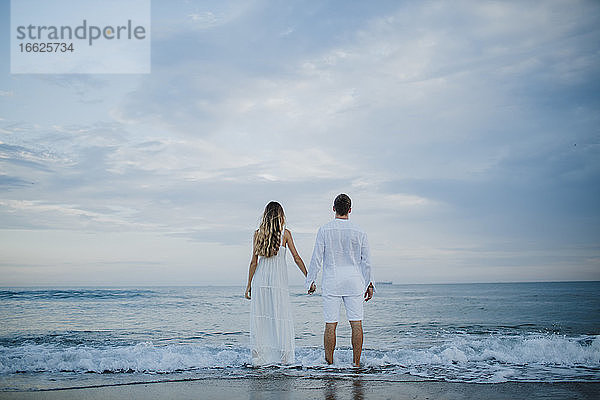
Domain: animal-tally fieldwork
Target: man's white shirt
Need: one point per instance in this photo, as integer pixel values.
(342, 251)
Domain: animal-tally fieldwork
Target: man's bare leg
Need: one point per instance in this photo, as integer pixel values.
(357, 341)
(329, 341)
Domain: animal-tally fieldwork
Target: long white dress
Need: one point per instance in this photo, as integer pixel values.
(271, 321)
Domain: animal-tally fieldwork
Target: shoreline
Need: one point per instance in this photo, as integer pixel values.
(290, 387)
(298, 285)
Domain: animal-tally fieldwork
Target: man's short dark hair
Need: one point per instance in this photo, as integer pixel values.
(342, 204)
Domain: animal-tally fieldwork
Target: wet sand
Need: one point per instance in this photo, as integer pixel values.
(318, 388)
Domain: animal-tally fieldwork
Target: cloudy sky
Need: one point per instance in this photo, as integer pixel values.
(467, 134)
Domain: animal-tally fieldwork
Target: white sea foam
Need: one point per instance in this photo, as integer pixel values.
(501, 358)
(461, 357)
(142, 357)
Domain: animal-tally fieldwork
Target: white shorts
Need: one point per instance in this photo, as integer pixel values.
(353, 305)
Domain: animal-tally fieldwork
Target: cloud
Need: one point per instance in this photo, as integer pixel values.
(8, 182)
(460, 131)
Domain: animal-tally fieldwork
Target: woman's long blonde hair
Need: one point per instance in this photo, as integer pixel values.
(267, 238)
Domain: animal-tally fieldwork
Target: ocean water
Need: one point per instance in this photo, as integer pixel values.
(70, 337)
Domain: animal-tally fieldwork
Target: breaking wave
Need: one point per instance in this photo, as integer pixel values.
(461, 358)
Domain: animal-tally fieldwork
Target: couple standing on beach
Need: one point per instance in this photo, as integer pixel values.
(341, 250)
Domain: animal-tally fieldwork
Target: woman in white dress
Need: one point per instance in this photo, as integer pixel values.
(271, 322)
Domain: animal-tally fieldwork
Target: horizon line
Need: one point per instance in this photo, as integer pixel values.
(383, 283)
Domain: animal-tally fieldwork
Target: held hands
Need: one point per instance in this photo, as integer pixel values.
(369, 293)
(248, 290)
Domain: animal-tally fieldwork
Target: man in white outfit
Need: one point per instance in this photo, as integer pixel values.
(342, 250)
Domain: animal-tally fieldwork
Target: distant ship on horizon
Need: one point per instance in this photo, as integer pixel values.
(384, 283)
